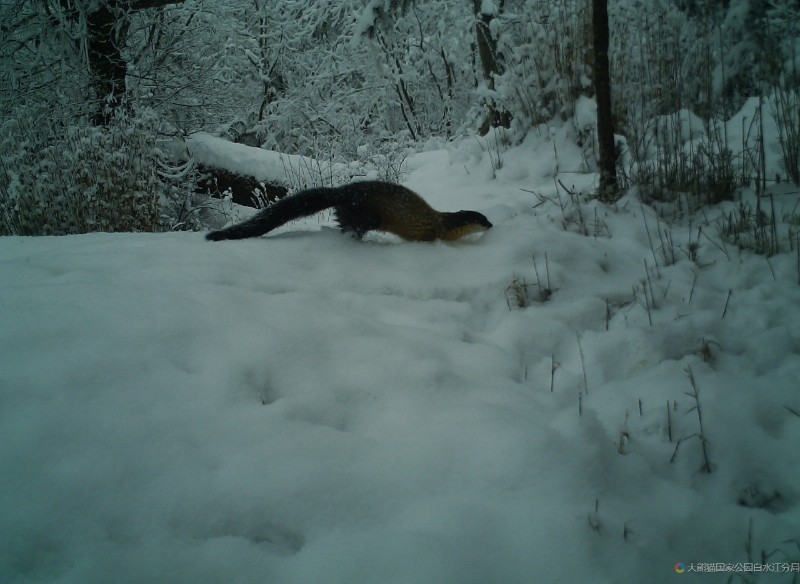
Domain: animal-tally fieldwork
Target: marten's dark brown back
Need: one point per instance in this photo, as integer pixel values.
(388, 207)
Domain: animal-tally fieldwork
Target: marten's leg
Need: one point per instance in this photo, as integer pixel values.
(356, 221)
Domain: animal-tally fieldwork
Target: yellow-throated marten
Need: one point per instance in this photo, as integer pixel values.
(362, 207)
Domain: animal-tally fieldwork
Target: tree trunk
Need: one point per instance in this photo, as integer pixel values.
(106, 35)
(490, 66)
(602, 87)
(107, 29)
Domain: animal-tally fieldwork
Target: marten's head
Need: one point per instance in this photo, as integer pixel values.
(463, 223)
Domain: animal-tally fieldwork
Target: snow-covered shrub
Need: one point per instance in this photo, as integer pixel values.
(668, 59)
(184, 207)
(59, 179)
(660, 61)
(195, 63)
(681, 157)
(371, 75)
(545, 46)
(785, 107)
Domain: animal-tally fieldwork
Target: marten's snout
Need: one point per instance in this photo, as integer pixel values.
(474, 218)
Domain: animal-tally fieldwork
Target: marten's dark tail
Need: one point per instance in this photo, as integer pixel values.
(302, 204)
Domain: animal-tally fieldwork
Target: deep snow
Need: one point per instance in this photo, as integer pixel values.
(307, 408)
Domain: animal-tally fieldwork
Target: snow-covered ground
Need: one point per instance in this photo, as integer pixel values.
(305, 408)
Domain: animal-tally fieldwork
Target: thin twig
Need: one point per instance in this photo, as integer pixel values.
(696, 395)
(547, 271)
(651, 303)
(774, 279)
(714, 243)
(669, 423)
(691, 292)
(793, 411)
(649, 239)
(583, 365)
(727, 300)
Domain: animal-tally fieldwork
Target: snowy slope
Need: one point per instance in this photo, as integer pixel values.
(307, 408)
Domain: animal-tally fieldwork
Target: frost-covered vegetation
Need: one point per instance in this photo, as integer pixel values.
(367, 82)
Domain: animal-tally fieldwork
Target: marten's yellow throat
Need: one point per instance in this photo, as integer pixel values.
(361, 207)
